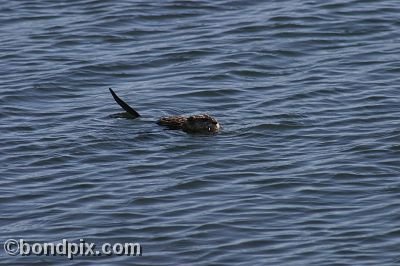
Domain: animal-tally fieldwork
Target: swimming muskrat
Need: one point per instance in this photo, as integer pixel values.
(201, 123)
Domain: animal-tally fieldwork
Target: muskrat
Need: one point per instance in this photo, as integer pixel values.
(201, 123)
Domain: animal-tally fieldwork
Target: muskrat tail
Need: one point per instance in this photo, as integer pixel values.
(124, 105)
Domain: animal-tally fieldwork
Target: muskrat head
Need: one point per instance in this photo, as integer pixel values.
(201, 124)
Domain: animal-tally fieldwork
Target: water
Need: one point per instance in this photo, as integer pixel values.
(305, 172)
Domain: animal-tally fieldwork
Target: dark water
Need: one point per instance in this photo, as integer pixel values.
(305, 172)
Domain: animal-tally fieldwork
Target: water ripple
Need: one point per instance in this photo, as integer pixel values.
(304, 172)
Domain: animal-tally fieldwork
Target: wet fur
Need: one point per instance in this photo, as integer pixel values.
(202, 123)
